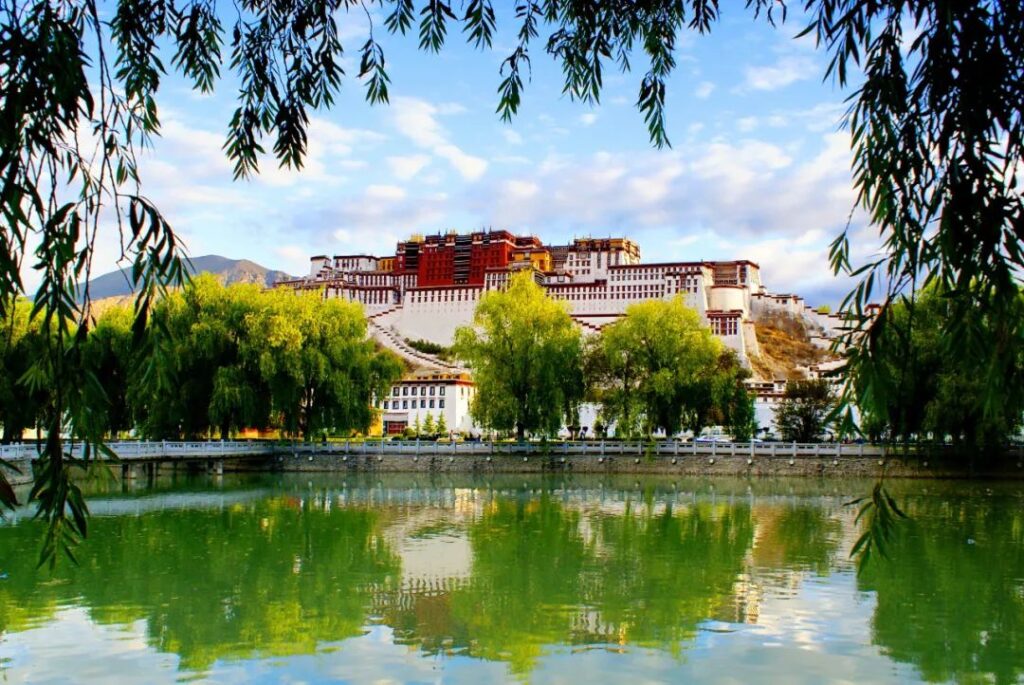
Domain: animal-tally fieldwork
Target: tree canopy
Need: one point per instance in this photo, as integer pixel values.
(918, 388)
(651, 364)
(232, 357)
(526, 355)
(805, 412)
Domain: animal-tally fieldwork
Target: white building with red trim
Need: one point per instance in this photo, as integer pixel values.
(432, 285)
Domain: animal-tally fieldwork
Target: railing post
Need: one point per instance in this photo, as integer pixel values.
(794, 449)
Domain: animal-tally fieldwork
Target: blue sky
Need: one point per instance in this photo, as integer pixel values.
(759, 168)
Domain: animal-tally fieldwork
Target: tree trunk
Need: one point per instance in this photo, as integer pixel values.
(520, 432)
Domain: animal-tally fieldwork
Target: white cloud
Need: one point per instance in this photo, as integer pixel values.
(511, 137)
(416, 119)
(788, 69)
(746, 124)
(521, 190)
(294, 259)
(469, 166)
(407, 166)
(704, 90)
(758, 198)
(588, 119)
(384, 193)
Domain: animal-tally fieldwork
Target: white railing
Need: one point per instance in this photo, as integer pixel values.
(138, 449)
(610, 448)
(154, 450)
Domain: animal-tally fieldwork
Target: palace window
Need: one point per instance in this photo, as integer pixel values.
(405, 404)
(385, 404)
(423, 404)
(431, 390)
(405, 390)
(394, 391)
(431, 404)
(440, 404)
(440, 391)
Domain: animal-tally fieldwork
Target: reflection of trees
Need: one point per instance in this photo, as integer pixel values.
(277, 576)
(271, 578)
(545, 575)
(660, 575)
(797, 536)
(951, 596)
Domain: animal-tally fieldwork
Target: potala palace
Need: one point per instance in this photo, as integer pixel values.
(432, 284)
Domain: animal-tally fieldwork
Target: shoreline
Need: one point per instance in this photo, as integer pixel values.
(440, 462)
(688, 465)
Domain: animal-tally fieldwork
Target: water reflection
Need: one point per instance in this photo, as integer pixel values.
(539, 580)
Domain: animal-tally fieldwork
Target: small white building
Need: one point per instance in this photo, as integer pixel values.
(432, 392)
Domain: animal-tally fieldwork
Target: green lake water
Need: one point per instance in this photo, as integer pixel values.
(416, 580)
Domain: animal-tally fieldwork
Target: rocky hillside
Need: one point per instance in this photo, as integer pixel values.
(785, 346)
(118, 283)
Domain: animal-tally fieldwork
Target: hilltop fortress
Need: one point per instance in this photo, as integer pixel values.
(432, 284)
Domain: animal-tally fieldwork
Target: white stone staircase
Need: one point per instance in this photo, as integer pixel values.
(394, 342)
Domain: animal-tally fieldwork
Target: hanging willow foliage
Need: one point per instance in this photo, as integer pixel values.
(936, 126)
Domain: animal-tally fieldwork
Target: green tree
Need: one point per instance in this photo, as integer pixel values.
(442, 425)
(918, 389)
(202, 378)
(804, 413)
(429, 428)
(737, 406)
(110, 355)
(652, 367)
(21, 343)
(318, 362)
(526, 356)
(224, 358)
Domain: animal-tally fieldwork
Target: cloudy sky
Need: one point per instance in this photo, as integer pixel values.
(759, 167)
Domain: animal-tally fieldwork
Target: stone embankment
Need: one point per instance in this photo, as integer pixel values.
(663, 465)
(668, 458)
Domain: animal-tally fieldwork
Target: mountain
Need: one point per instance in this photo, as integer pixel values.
(118, 283)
